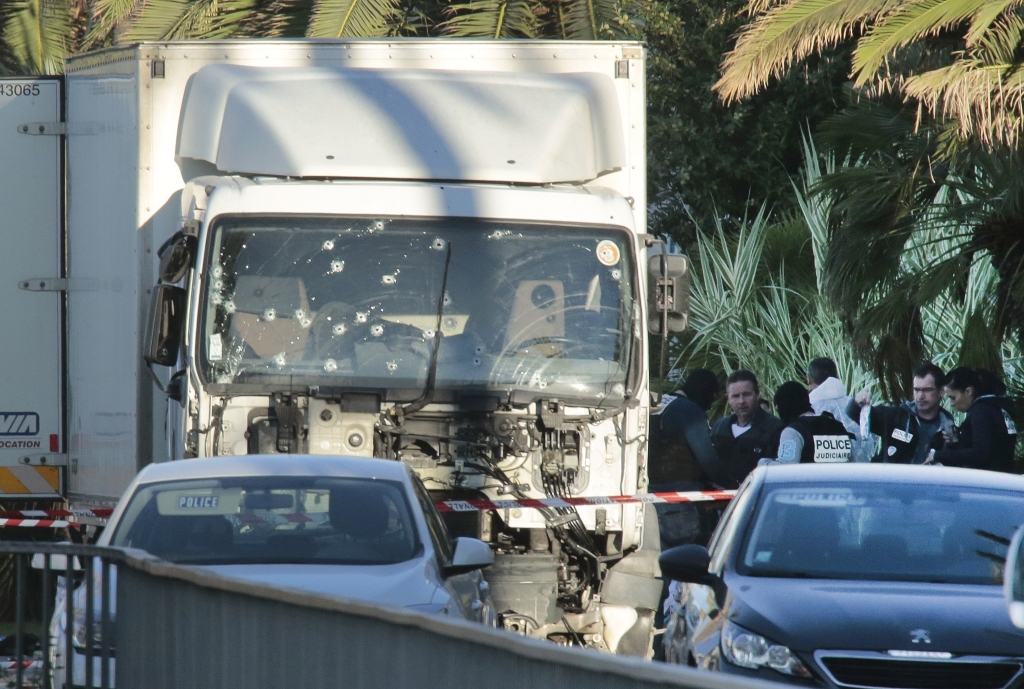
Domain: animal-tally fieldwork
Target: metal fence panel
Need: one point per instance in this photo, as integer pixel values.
(183, 627)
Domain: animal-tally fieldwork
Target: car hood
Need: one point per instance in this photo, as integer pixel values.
(809, 615)
(402, 584)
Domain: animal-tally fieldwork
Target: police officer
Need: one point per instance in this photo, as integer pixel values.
(909, 430)
(807, 437)
(988, 436)
(682, 456)
(749, 433)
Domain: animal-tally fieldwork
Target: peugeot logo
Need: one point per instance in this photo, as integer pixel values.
(918, 636)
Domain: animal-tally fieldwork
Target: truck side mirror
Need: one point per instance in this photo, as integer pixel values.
(668, 293)
(166, 322)
(1013, 580)
(176, 256)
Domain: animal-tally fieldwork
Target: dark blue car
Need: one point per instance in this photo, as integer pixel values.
(854, 575)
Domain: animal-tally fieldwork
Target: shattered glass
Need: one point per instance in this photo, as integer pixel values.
(354, 302)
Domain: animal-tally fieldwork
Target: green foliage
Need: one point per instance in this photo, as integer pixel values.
(36, 35)
(913, 232)
(959, 59)
(744, 313)
(340, 18)
(706, 160)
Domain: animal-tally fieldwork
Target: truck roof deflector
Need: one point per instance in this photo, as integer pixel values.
(396, 124)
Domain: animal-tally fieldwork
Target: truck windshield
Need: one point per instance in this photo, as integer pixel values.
(354, 302)
(271, 519)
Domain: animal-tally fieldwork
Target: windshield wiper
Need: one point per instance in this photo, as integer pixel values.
(428, 389)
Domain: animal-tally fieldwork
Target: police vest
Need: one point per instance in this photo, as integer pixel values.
(825, 439)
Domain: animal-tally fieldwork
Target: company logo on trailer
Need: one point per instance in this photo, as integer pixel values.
(19, 423)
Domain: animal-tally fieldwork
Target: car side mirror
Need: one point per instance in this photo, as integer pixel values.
(668, 293)
(686, 563)
(166, 322)
(470, 555)
(1013, 579)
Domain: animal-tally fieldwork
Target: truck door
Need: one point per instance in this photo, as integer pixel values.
(32, 436)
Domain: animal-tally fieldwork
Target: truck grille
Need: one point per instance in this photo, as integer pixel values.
(919, 674)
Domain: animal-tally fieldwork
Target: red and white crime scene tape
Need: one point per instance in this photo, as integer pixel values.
(46, 518)
(49, 519)
(523, 503)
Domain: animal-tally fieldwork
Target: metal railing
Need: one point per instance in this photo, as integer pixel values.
(78, 566)
(182, 627)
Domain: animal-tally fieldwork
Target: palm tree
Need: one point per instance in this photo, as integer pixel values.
(39, 34)
(924, 228)
(959, 59)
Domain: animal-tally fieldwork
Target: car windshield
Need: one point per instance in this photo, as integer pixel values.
(269, 519)
(882, 532)
(354, 302)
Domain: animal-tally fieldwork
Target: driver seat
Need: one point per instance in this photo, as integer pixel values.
(538, 312)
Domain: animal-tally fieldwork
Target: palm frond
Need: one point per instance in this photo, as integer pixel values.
(354, 18)
(36, 34)
(986, 16)
(491, 19)
(106, 15)
(789, 33)
(167, 20)
(911, 22)
(591, 20)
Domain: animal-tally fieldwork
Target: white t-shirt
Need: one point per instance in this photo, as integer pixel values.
(738, 430)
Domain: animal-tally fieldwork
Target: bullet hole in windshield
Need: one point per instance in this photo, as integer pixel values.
(438, 244)
(304, 319)
(269, 314)
(339, 329)
(616, 274)
(329, 245)
(429, 334)
(362, 316)
(388, 279)
(217, 272)
(330, 365)
(229, 306)
(281, 360)
(377, 330)
(337, 266)
(392, 366)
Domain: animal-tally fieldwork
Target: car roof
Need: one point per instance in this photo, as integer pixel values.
(895, 473)
(275, 465)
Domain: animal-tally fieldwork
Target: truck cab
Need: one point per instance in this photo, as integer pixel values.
(431, 252)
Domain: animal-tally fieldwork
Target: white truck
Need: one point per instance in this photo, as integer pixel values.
(427, 251)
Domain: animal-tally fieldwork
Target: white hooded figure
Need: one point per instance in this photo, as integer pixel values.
(830, 396)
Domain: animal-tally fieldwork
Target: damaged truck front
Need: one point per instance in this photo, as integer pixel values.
(424, 251)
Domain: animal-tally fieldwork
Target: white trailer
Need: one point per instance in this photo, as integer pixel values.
(423, 250)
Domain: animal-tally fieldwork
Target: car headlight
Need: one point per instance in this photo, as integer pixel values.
(747, 649)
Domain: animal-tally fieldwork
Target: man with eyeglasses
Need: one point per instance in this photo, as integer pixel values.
(907, 430)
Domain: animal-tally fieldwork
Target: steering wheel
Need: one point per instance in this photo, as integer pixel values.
(534, 341)
(392, 335)
(568, 345)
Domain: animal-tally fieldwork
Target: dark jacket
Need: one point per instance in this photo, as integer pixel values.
(825, 439)
(739, 456)
(898, 427)
(987, 437)
(680, 447)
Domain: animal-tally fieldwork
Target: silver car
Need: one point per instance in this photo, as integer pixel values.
(340, 526)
